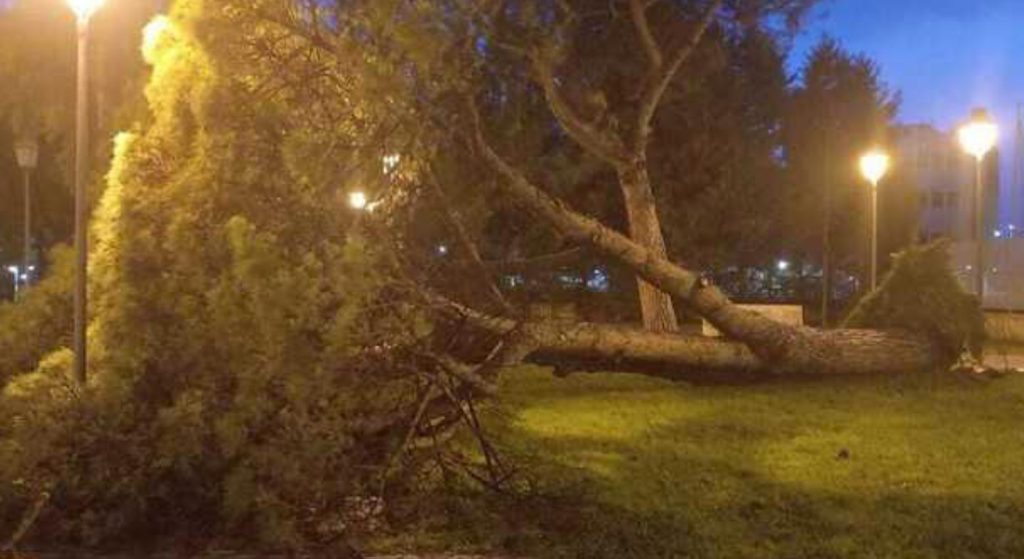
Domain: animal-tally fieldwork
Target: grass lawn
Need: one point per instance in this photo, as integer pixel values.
(628, 466)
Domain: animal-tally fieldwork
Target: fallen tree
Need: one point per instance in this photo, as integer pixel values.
(893, 346)
(925, 320)
(779, 348)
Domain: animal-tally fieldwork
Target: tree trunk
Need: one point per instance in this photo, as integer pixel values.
(656, 307)
(808, 351)
(780, 347)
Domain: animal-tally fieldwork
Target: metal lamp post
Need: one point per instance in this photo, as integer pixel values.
(27, 153)
(874, 165)
(84, 9)
(977, 138)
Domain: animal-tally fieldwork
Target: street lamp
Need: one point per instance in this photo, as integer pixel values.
(874, 165)
(27, 153)
(84, 9)
(358, 200)
(978, 137)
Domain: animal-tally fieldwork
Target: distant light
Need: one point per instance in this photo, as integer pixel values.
(979, 135)
(358, 200)
(391, 162)
(13, 270)
(442, 250)
(84, 9)
(783, 265)
(874, 165)
(998, 234)
(598, 280)
(969, 268)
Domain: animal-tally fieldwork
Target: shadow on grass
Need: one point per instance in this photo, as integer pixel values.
(661, 495)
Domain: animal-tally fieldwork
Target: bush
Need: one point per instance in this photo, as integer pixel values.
(40, 321)
(237, 387)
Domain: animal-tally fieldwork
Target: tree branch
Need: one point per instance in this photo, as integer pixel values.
(467, 243)
(638, 10)
(661, 79)
(606, 146)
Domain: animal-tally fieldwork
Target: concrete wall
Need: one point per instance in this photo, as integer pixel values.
(1005, 327)
(1004, 277)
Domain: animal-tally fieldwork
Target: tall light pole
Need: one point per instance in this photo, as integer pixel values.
(27, 153)
(874, 165)
(978, 137)
(84, 9)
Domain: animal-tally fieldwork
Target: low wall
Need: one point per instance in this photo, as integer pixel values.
(1005, 327)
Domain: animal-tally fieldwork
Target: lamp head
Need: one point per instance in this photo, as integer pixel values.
(27, 153)
(84, 9)
(979, 136)
(358, 200)
(874, 165)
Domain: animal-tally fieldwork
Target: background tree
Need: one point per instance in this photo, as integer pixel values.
(839, 110)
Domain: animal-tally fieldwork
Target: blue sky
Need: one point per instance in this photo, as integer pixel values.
(944, 56)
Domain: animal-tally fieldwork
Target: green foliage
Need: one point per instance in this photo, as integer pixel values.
(921, 294)
(237, 320)
(40, 321)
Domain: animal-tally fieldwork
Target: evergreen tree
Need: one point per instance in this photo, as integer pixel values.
(252, 368)
(839, 110)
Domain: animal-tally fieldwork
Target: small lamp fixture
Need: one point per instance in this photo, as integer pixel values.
(358, 200)
(27, 153)
(874, 165)
(979, 136)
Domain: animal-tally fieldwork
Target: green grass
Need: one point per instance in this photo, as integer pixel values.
(627, 466)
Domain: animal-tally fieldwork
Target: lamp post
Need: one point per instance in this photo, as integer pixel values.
(977, 138)
(84, 9)
(874, 165)
(27, 153)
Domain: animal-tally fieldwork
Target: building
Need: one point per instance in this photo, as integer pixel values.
(944, 176)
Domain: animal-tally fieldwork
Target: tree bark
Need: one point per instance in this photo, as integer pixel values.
(811, 352)
(656, 307)
(780, 347)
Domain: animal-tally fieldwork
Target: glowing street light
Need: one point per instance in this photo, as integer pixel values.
(358, 200)
(84, 9)
(874, 165)
(977, 138)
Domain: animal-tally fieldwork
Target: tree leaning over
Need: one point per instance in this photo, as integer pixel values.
(446, 92)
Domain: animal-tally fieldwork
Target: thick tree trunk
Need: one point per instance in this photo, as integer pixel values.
(656, 307)
(809, 351)
(779, 347)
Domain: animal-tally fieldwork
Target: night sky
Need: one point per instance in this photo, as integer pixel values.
(945, 56)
